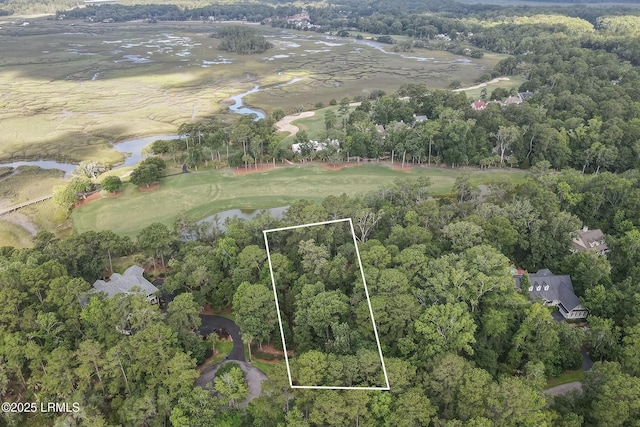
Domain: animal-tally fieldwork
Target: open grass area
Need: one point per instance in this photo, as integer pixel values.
(224, 348)
(565, 377)
(202, 194)
(71, 87)
(314, 125)
(513, 82)
(267, 368)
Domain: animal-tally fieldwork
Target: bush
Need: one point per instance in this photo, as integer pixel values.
(235, 160)
(278, 114)
(112, 184)
(226, 368)
(333, 101)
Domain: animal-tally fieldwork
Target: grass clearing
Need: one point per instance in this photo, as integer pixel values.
(513, 82)
(224, 348)
(202, 194)
(565, 377)
(267, 368)
(314, 125)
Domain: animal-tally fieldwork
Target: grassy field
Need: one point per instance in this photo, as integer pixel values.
(514, 81)
(224, 348)
(203, 194)
(71, 87)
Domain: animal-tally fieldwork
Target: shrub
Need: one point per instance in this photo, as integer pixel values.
(226, 368)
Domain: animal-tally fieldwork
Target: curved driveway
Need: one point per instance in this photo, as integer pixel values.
(211, 322)
(252, 375)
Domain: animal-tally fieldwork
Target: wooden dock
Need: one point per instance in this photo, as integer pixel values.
(24, 205)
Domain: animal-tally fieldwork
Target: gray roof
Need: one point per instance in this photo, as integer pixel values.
(590, 239)
(525, 95)
(551, 287)
(124, 283)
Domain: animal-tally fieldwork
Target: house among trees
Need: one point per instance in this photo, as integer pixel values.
(130, 282)
(479, 105)
(554, 290)
(512, 100)
(590, 240)
(419, 119)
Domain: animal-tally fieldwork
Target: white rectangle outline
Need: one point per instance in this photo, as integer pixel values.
(366, 291)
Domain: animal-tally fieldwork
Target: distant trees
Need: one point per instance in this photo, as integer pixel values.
(242, 40)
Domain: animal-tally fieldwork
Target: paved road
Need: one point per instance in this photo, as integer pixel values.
(564, 388)
(587, 363)
(209, 323)
(253, 375)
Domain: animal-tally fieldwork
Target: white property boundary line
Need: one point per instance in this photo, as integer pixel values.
(366, 291)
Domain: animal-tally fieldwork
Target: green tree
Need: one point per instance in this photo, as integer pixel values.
(65, 196)
(156, 240)
(254, 308)
(145, 175)
(232, 387)
(183, 313)
(603, 338)
(330, 119)
(278, 114)
(112, 184)
(536, 339)
(445, 328)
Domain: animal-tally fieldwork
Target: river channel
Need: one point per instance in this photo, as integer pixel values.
(132, 148)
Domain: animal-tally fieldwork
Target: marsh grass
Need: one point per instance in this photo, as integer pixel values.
(13, 235)
(70, 91)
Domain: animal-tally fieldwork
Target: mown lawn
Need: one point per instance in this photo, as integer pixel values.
(202, 194)
(224, 348)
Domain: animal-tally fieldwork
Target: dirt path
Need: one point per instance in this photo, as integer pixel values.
(284, 124)
(564, 388)
(496, 80)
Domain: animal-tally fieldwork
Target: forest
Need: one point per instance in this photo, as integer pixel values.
(429, 263)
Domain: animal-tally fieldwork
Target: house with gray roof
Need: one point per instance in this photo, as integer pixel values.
(130, 282)
(590, 240)
(555, 290)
